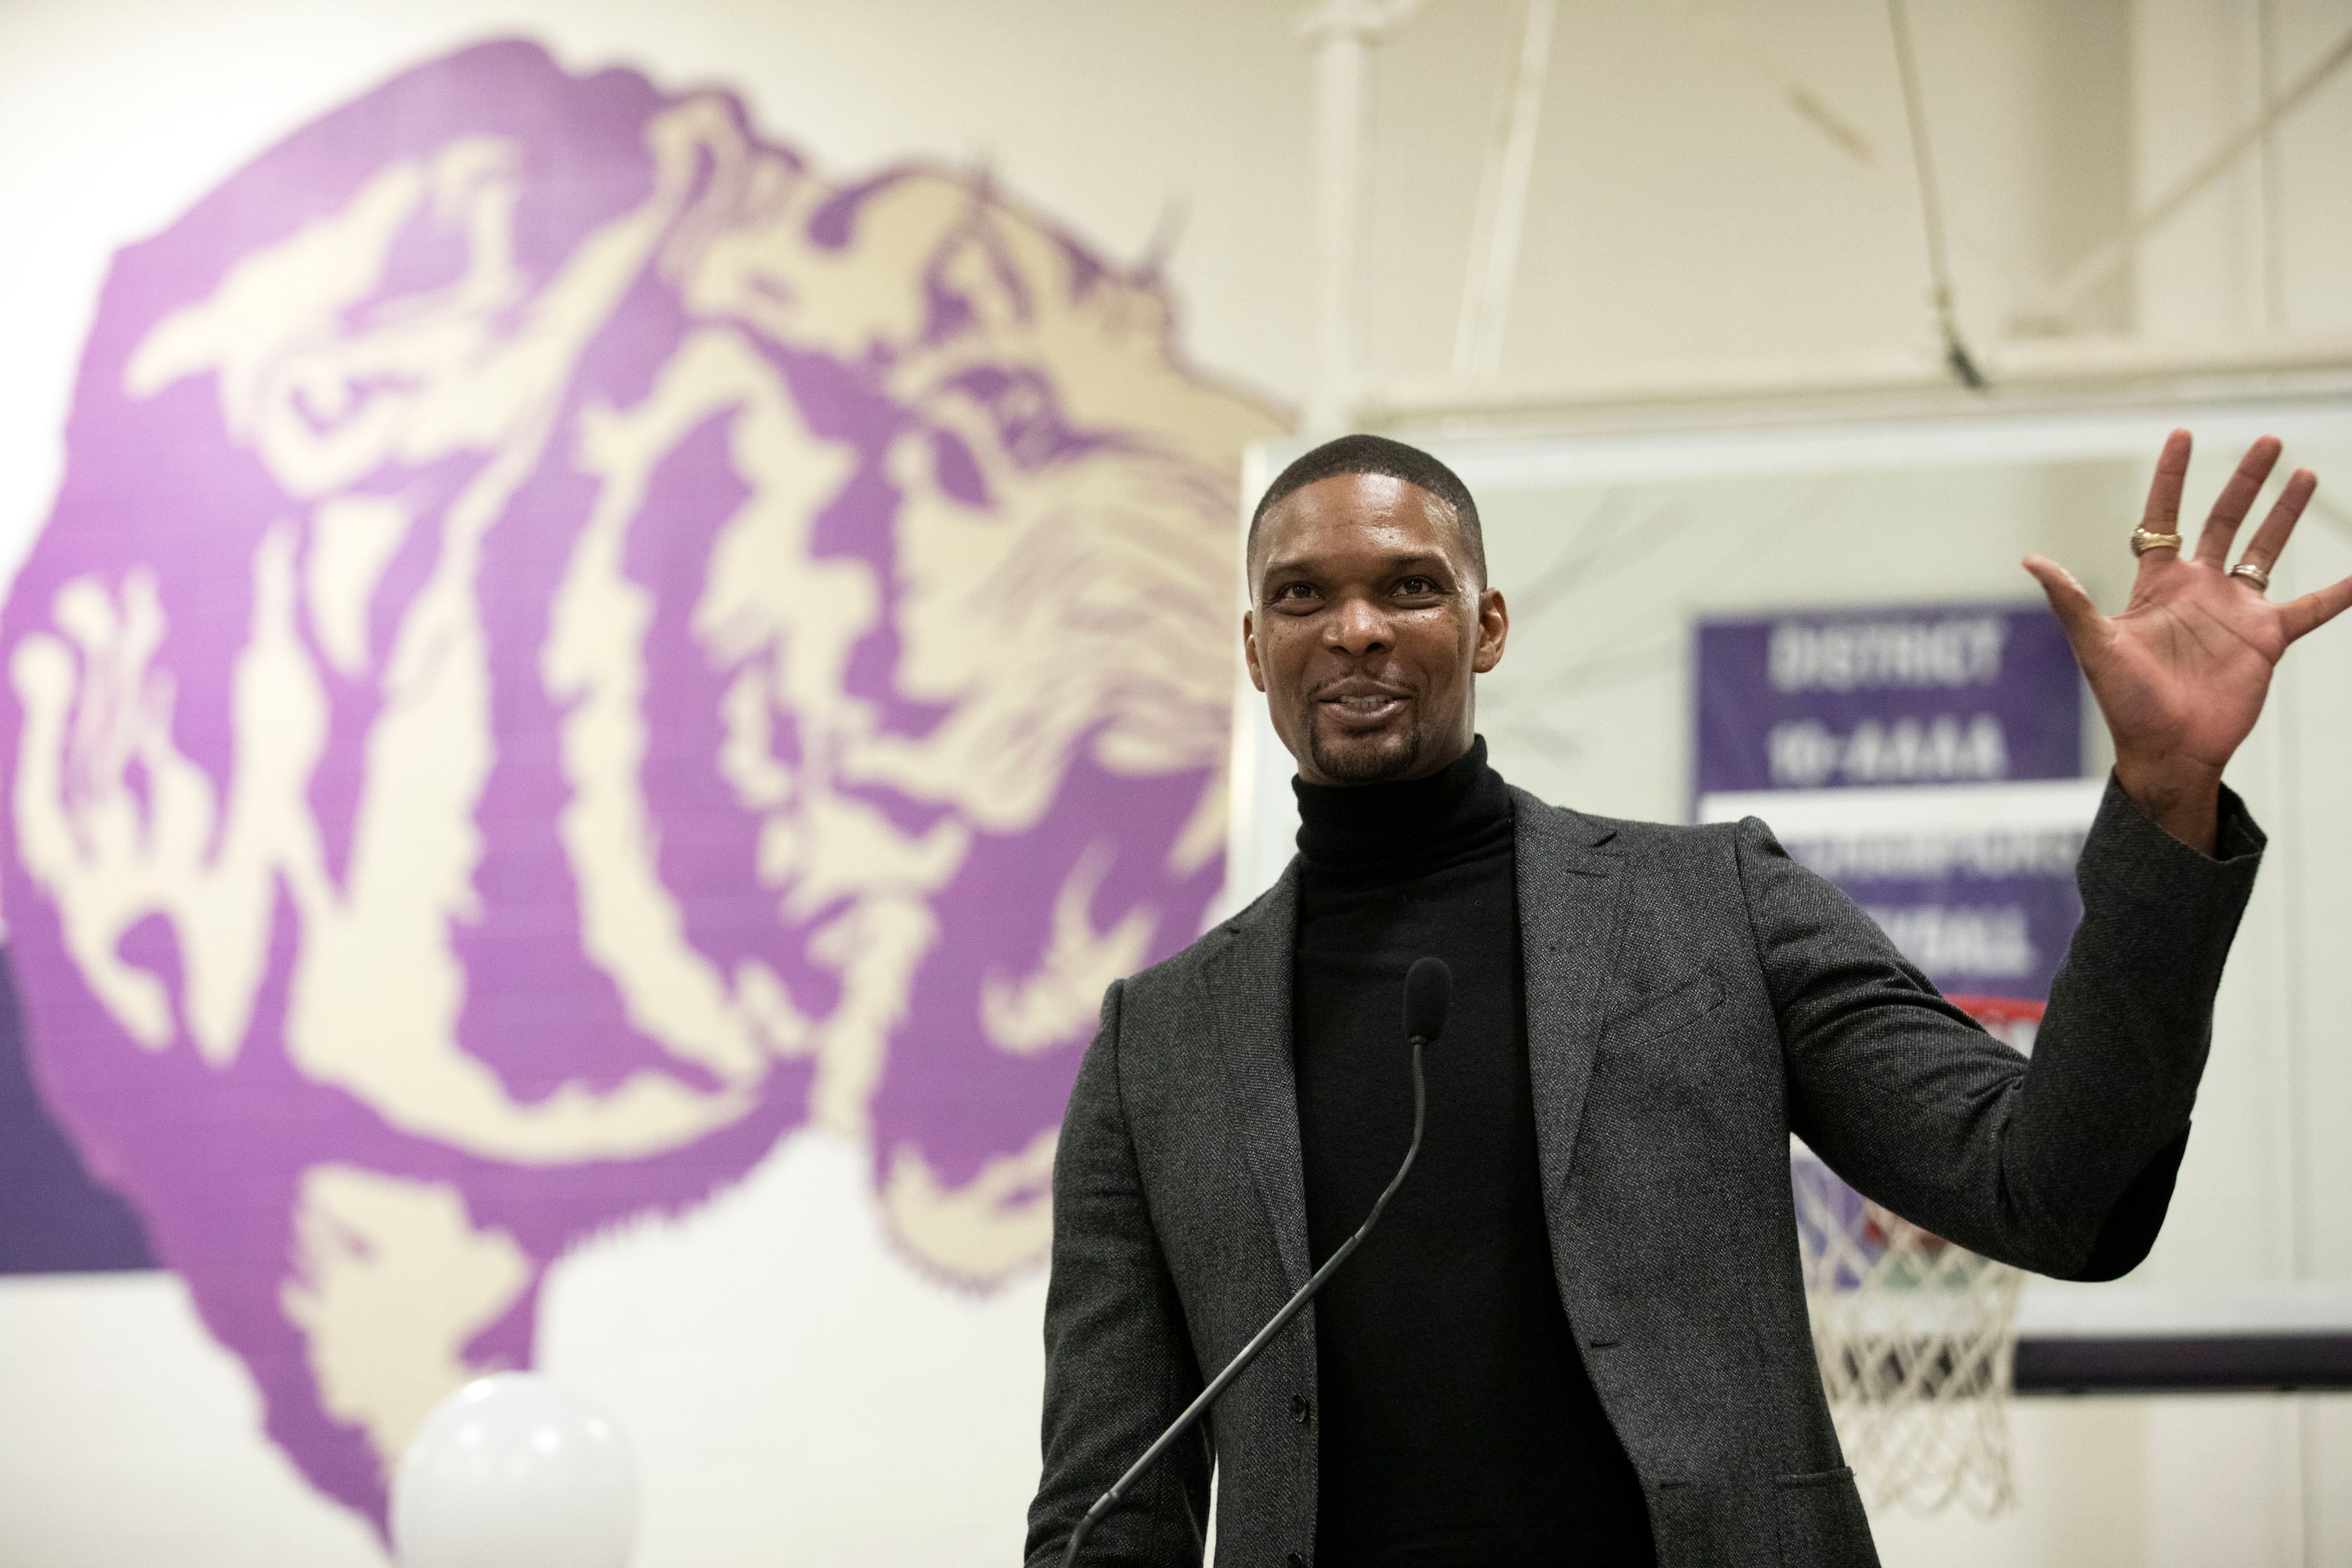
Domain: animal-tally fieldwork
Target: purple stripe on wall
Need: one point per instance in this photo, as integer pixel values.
(54, 1218)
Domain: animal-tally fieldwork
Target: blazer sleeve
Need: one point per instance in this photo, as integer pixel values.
(2062, 1164)
(1118, 1359)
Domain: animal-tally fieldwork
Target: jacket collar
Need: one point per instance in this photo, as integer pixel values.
(1572, 890)
(1248, 975)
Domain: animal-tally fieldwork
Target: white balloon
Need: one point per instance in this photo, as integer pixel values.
(515, 1471)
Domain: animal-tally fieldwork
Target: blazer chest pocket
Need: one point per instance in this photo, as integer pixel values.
(1821, 1521)
(1662, 1013)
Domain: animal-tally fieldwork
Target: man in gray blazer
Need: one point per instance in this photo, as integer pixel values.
(1580, 1335)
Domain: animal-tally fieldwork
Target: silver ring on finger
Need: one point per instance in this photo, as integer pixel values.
(2253, 574)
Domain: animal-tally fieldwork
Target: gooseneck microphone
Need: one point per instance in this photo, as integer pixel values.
(1428, 993)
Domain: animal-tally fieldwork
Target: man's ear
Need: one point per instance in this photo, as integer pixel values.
(1249, 650)
(1493, 630)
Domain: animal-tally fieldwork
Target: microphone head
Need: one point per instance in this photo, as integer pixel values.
(1428, 993)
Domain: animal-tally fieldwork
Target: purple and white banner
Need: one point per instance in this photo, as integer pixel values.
(1929, 761)
(1938, 694)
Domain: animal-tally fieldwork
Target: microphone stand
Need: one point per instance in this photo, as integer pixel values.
(1265, 1336)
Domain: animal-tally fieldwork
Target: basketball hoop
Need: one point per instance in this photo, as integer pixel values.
(1917, 1337)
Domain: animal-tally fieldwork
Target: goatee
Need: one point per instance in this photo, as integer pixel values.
(1377, 760)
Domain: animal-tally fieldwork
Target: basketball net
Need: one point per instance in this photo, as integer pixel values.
(1917, 1337)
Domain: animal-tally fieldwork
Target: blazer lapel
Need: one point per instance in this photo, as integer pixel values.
(1571, 901)
(1248, 979)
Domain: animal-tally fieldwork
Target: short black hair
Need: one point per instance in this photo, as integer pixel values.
(1362, 454)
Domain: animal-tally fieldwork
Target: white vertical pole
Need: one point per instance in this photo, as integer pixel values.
(2266, 26)
(1343, 47)
(1341, 33)
(1494, 233)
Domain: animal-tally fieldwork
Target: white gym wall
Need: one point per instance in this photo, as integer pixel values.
(1721, 201)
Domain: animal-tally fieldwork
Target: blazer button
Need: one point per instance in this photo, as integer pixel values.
(1300, 1411)
(1296, 1560)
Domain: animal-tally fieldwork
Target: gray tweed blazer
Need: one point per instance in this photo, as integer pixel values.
(1693, 997)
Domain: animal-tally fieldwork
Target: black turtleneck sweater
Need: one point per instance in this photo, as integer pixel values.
(1458, 1427)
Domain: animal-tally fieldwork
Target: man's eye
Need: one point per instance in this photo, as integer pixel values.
(1294, 590)
(1415, 588)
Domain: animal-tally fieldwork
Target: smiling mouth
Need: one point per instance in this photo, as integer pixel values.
(1359, 709)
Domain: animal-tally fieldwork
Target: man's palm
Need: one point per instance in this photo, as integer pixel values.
(2188, 663)
(2181, 673)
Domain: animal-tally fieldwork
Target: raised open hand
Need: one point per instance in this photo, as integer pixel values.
(2181, 674)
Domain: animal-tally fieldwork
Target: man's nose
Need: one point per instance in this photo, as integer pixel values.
(1359, 628)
